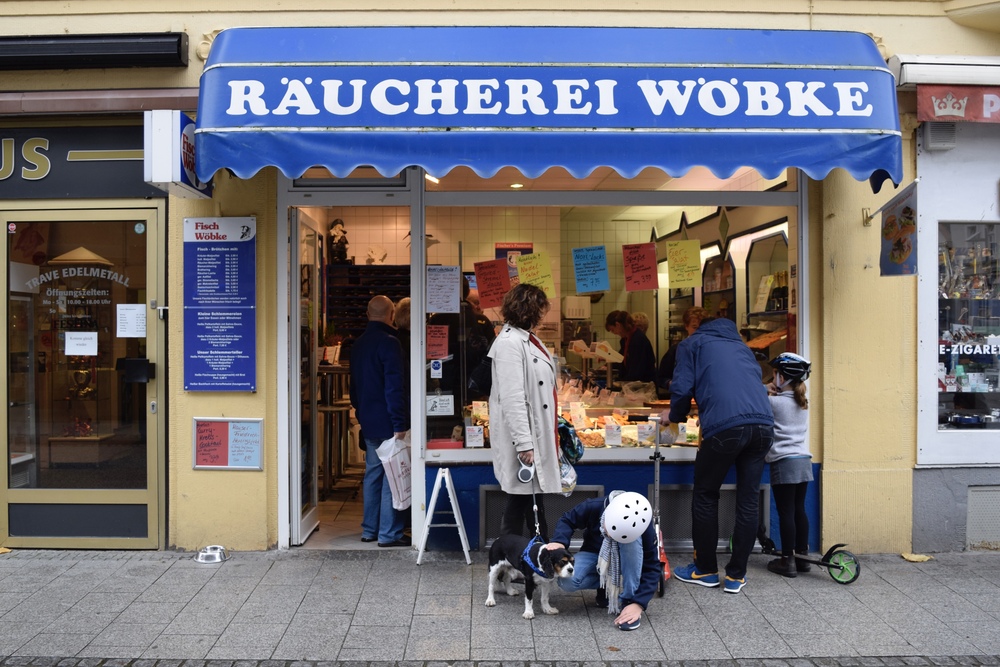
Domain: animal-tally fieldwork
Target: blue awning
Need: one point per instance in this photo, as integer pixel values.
(536, 98)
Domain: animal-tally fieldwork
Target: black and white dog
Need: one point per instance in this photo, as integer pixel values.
(540, 567)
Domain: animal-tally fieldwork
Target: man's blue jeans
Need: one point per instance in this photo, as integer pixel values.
(379, 519)
(744, 447)
(585, 574)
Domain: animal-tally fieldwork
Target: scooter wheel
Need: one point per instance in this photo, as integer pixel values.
(844, 567)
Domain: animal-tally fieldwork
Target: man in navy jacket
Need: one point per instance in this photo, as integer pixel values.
(380, 404)
(717, 369)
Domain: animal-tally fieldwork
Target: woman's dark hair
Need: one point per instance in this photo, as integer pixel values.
(619, 317)
(524, 306)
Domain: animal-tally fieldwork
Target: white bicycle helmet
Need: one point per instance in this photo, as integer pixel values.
(791, 366)
(627, 516)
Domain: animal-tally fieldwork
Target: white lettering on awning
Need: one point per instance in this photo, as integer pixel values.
(579, 97)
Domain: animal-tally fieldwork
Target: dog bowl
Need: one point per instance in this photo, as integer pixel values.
(212, 554)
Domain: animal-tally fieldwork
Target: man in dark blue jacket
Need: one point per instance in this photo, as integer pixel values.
(379, 400)
(717, 369)
(638, 558)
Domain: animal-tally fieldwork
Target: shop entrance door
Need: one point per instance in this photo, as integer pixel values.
(306, 308)
(83, 438)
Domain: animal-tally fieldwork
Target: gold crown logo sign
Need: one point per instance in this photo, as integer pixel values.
(949, 106)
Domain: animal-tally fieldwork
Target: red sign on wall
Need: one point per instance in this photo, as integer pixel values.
(951, 104)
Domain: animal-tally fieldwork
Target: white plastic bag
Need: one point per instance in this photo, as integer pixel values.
(567, 475)
(395, 457)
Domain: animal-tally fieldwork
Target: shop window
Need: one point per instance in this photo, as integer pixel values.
(968, 371)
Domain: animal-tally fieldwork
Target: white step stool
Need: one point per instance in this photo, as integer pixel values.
(444, 474)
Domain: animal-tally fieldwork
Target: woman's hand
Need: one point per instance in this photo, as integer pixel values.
(528, 457)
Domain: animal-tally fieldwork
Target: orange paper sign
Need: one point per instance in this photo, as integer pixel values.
(492, 281)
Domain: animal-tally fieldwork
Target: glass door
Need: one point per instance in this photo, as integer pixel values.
(307, 313)
(82, 437)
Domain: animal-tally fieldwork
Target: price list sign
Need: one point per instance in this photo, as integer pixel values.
(220, 295)
(231, 444)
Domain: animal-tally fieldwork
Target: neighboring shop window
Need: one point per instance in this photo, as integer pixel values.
(968, 370)
(76, 418)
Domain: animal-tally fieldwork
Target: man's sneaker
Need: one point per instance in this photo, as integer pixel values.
(690, 574)
(734, 585)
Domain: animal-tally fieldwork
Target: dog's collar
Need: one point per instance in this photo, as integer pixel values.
(526, 556)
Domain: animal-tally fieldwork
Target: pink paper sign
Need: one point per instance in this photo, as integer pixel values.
(639, 262)
(437, 341)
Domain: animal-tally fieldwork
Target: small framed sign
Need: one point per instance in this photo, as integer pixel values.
(222, 443)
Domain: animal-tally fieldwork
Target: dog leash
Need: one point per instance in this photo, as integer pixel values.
(534, 508)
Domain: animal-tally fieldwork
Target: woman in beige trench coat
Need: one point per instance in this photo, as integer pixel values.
(523, 411)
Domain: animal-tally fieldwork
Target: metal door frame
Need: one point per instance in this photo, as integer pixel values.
(302, 524)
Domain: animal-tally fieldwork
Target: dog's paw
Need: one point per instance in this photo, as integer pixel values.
(511, 592)
(490, 602)
(550, 610)
(528, 615)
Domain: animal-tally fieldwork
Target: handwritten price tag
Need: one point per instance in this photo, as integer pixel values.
(684, 263)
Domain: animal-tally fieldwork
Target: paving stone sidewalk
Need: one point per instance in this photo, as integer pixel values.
(300, 608)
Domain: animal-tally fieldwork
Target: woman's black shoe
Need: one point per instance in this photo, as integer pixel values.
(602, 599)
(782, 566)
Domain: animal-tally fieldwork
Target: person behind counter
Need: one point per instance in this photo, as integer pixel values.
(639, 363)
(523, 412)
(717, 369)
(470, 334)
(641, 322)
(664, 374)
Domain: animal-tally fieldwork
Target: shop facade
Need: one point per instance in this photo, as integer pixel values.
(956, 298)
(808, 224)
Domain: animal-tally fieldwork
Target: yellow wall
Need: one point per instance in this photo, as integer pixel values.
(237, 509)
(864, 350)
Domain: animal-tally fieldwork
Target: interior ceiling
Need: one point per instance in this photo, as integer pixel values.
(699, 179)
(463, 179)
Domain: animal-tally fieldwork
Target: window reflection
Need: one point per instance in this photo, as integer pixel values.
(76, 413)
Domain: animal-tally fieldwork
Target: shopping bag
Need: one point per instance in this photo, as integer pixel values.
(569, 442)
(567, 475)
(395, 456)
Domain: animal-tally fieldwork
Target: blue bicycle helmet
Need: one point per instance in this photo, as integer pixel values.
(791, 366)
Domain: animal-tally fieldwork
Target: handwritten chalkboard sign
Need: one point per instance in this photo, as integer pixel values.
(228, 444)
